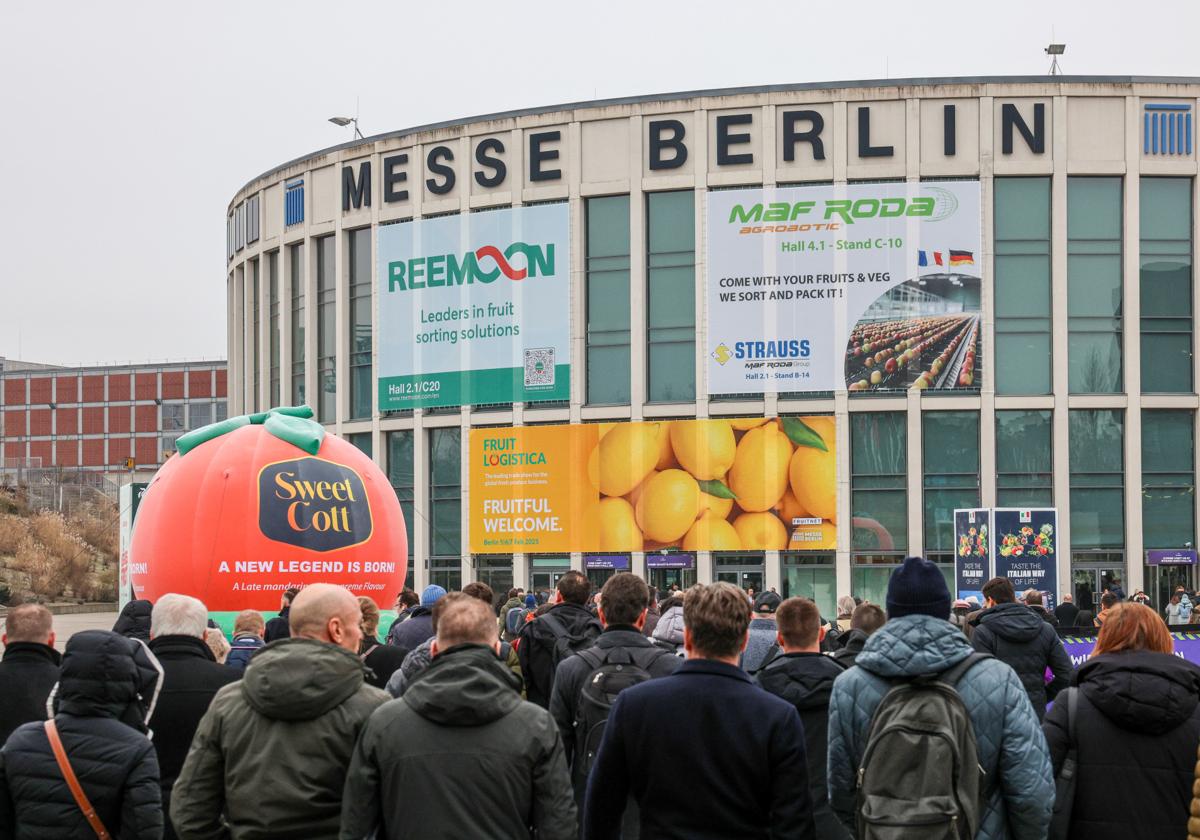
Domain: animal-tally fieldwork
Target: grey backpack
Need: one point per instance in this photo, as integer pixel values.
(920, 777)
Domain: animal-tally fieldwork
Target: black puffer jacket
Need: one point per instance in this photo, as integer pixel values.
(1137, 729)
(134, 620)
(1021, 638)
(191, 678)
(536, 645)
(27, 673)
(806, 681)
(107, 688)
(851, 645)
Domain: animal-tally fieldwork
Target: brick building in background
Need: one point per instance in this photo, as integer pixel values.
(94, 418)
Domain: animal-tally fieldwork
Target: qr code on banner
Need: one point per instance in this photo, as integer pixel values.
(539, 366)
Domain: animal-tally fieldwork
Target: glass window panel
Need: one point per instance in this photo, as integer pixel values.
(1026, 356)
(274, 398)
(1094, 362)
(172, 417)
(608, 304)
(1094, 285)
(1022, 285)
(1168, 479)
(361, 392)
(1094, 208)
(445, 455)
(200, 414)
(950, 452)
(326, 329)
(671, 310)
(1165, 208)
(1165, 284)
(1025, 203)
(296, 279)
(1097, 479)
(402, 478)
(878, 443)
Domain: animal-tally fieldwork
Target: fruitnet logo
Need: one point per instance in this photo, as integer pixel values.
(485, 264)
(313, 504)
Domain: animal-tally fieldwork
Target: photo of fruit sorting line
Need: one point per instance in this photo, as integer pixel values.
(923, 334)
(755, 483)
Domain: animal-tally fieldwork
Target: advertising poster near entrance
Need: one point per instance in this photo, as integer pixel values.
(870, 287)
(129, 497)
(972, 551)
(1079, 648)
(475, 308)
(753, 483)
(1024, 550)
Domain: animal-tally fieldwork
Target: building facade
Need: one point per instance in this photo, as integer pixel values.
(95, 419)
(1085, 398)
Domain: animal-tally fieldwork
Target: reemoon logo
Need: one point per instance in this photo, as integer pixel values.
(455, 270)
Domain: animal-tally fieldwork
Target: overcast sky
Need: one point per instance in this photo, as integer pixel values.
(125, 128)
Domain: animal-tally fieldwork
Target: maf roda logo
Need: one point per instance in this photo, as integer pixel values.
(313, 504)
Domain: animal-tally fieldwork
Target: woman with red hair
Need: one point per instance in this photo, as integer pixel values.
(1137, 723)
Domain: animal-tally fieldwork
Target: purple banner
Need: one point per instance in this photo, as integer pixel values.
(1187, 646)
(619, 562)
(670, 561)
(1171, 557)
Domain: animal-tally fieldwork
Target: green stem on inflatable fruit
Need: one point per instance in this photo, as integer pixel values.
(293, 424)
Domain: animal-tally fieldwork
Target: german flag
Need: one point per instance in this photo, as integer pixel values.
(961, 257)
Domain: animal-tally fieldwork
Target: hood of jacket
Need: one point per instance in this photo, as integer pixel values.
(573, 616)
(181, 647)
(803, 679)
(853, 641)
(105, 674)
(300, 679)
(1142, 691)
(134, 620)
(913, 645)
(670, 626)
(1011, 622)
(466, 685)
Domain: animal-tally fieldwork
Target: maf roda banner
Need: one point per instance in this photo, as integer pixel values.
(474, 308)
(697, 485)
(858, 286)
(1023, 550)
(972, 551)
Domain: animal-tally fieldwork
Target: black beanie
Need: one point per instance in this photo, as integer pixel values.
(918, 588)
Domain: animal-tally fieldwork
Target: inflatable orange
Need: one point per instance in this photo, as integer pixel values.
(256, 504)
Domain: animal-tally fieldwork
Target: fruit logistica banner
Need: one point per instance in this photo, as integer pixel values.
(857, 286)
(474, 308)
(695, 485)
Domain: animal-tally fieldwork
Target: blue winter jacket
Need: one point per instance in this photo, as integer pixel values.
(1012, 749)
(243, 648)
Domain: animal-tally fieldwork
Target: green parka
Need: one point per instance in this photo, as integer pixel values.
(269, 758)
(460, 755)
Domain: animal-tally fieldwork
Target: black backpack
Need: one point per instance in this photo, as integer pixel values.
(920, 777)
(564, 644)
(611, 671)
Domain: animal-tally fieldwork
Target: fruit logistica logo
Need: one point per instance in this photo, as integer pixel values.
(313, 503)
(502, 452)
(446, 270)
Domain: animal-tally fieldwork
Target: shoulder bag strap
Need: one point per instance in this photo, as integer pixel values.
(64, 766)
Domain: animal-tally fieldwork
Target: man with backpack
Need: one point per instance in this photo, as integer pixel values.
(587, 684)
(918, 672)
(803, 676)
(566, 628)
(734, 763)
(515, 617)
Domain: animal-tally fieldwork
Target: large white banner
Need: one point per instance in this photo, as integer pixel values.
(475, 308)
(858, 286)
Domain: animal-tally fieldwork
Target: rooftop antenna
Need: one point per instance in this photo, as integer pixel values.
(1054, 51)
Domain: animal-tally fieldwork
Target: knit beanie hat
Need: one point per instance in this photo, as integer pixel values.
(918, 588)
(431, 594)
(531, 601)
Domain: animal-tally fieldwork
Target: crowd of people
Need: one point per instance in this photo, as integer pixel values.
(705, 713)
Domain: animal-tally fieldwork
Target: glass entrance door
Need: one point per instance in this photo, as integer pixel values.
(744, 579)
(1162, 581)
(1089, 582)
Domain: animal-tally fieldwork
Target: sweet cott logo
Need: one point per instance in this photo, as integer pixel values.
(314, 504)
(485, 264)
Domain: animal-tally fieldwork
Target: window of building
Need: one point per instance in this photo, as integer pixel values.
(813, 576)
(1024, 459)
(1166, 284)
(950, 457)
(296, 277)
(200, 414)
(670, 298)
(402, 479)
(1094, 312)
(878, 469)
(220, 411)
(1168, 479)
(496, 570)
(326, 330)
(1022, 278)
(608, 260)
(362, 442)
(361, 396)
(445, 501)
(166, 446)
(173, 417)
(256, 355)
(274, 398)
(1097, 479)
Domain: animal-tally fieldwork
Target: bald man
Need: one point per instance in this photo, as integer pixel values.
(272, 752)
(29, 668)
(461, 755)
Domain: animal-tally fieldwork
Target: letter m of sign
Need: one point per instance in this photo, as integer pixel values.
(356, 193)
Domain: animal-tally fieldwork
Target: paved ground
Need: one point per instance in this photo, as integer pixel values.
(67, 625)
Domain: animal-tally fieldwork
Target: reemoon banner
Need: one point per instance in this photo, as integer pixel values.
(858, 286)
(475, 308)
